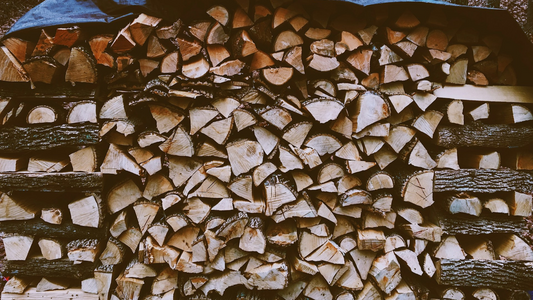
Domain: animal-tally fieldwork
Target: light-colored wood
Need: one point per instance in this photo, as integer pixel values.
(17, 209)
(87, 212)
(465, 204)
(49, 284)
(41, 114)
(85, 250)
(512, 247)
(17, 247)
(51, 249)
(520, 204)
(449, 248)
(386, 272)
(16, 285)
(500, 93)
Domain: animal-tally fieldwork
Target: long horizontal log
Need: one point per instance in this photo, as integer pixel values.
(39, 228)
(471, 225)
(52, 92)
(496, 93)
(68, 294)
(49, 268)
(482, 181)
(483, 135)
(503, 274)
(16, 139)
(52, 182)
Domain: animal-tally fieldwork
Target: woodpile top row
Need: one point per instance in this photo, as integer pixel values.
(304, 149)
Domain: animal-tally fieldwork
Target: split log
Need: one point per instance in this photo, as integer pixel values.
(386, 272)
(512, 247)
(85, 250)
(12, 70)
(16, 285)
(418, 188)
(465, 204)
(369, 109)
(17, 247)
(52, 249)
(520, 204)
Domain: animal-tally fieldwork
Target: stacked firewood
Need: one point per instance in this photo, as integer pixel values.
(304, 150)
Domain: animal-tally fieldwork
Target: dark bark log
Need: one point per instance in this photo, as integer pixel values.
(52, 92)
(52, 182)
(482, 135)
(469, 225)
(38, 227)
(503, 274)
(482, 181)
(49, 268)
(16, 139)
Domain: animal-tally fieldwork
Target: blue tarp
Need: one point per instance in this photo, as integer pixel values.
(66, 12)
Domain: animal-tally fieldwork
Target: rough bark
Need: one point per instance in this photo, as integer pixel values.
(48, 268)
(16, 139)
(485, 273)
(52, 182)
(482, 135)
(460, 224)
(482, 181)
(38, 227)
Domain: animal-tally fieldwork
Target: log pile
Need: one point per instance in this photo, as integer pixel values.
(268, 149)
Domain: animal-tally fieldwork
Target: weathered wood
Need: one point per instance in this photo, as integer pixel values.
(469, 225)
(38, 227)
(482, 135)
(32, 294)
(52, 182)
(482, 181)
(48, 268)
(502, 274)
(16, 139)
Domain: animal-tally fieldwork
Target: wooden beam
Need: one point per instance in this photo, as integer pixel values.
(495, 93)
(484, 135)
(482, 181)
(32, 294)
(504, 274)
(40, 266)
(52, 182)
(38, 227)
(16, 139)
